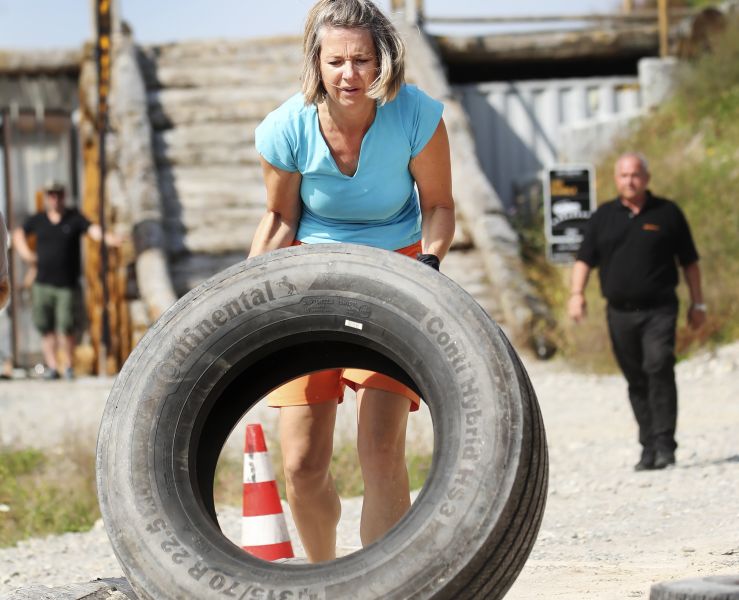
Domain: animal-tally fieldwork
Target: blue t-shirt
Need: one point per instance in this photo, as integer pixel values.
(377, 206)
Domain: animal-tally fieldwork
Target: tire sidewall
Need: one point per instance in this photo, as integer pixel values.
(168, 546)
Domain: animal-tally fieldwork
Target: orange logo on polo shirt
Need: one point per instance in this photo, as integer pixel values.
(650, 227)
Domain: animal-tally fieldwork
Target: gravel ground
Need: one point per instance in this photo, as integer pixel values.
(608, 532)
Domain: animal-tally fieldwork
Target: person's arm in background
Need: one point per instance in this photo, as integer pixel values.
(20, 245)
(577, 307)
(697, 310)
(279, 225)
(4, 273)
(111, 239)
(431, 168)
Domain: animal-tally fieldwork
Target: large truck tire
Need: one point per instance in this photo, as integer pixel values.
(716, 587)
(227, 343)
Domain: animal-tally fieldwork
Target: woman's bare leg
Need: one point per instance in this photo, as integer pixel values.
(306, 437)
(382, 418)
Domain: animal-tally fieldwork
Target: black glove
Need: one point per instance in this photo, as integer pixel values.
(429, 259)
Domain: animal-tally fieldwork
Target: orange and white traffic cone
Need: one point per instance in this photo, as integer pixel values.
(263, 528)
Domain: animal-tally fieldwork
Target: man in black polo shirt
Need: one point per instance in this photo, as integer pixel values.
(636, 241)
(58, 230)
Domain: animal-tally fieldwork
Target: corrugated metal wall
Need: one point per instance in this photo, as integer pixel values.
(41, 150)
(517, 125)
(38, 126)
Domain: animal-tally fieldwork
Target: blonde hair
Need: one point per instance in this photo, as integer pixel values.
(362, 14)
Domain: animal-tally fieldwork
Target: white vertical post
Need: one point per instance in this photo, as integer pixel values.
(607, 96)
(411, 14)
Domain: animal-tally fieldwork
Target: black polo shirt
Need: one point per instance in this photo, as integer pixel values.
(58, 247)
(638, 254)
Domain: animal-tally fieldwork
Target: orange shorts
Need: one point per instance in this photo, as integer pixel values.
(324, 386)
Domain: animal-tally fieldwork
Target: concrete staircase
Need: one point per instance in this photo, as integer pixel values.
(205, 99)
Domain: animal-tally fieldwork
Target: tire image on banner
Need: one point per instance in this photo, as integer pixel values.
(227, 343)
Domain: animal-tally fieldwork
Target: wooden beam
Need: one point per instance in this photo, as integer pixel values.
(589, 44)
(634, 17)
(31, 62)
(103, 55)
(663, 27)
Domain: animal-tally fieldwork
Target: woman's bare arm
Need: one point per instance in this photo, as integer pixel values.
(432, 170)
(279, 224)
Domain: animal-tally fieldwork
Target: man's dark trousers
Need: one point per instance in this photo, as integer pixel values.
(644, 344)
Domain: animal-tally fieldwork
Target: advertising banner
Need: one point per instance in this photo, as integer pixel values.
(569, 200)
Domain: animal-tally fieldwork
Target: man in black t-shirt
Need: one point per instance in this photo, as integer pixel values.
(58, 230)
(636, 241)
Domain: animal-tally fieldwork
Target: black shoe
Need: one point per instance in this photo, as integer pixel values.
(646, 462)
(664, 459)
(69, 373)
(51, 374)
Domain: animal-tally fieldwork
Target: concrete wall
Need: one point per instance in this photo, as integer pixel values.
(519, 126)
(522, 127)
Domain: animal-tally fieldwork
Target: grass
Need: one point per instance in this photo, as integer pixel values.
(344, 468)
(47, 493)
(691, 144)
(53, 492)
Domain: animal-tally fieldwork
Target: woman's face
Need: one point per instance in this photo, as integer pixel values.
(348, 64)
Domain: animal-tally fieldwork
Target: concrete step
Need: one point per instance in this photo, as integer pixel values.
(228, 234)
(191, 207)
(212, 209)
(206, 143)
(273, 49)
(214, 74)
(236, 105)
(219, 219)
(184, 187)
(231, 152)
